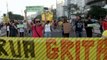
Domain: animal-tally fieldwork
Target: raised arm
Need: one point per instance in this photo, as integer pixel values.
(30, 24)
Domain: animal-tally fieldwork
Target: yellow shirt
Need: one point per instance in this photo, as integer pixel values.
(104, 33)
(60, 23)
(5, 19)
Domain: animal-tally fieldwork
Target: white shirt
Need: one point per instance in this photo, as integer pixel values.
(21, 30)
(48, 28)
(8, 28)
(96, 28)
(25, 25)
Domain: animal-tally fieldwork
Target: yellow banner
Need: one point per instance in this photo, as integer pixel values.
(53, 48)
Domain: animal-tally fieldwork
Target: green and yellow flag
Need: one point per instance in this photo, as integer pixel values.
(6, 19)
(47, 16)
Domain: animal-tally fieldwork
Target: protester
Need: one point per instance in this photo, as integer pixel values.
(37, 28)
(104, 24)
(66, 28)
(100, 22)
(55, 24)
(96, 29)
(48, 29)
(60, 24)
(1, 26)
(25, 28)
(29, 30)
(88, 28)
(78, 26)
(7, 29)
(13, 29)
(104, 35)
(21, 29)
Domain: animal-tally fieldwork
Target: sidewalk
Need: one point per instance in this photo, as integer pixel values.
(3, 32)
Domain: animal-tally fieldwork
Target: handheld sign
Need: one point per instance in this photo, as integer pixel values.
(20, 26)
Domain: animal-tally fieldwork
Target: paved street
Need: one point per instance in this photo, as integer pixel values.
(72, 34)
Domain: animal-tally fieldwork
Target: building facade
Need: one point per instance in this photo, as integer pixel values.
(59, 8)
(80, 4)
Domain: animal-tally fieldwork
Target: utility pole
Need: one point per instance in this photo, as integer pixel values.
(7, 7)
(25, 12)
(56, 9)
(69, 8)
(8, 19)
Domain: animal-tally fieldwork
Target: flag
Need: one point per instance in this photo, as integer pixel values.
(48, 16)
(6, 19)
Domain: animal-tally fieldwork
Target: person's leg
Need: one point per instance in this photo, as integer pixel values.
(77, 34)
(46, 34)
(7, 33)
(30, 33)
(80, 34)
(64, 35)
(49, 34)
(101, 29)
(10, 35)
(22, 34)
(89, 33)
(26, 32)
(67, 35)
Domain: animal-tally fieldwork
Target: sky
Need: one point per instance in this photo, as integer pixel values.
(18, 6)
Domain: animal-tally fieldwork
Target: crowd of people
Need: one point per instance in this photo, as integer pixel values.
(39, 28)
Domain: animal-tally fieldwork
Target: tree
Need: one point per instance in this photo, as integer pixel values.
(72, 8)
(15, 16)
(39, 16)
(54, 13)
(18, 17)
(10, 15)
(97, 12)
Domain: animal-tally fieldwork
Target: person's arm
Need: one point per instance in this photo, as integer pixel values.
(15, 27)
(43, 24)
(71, 28)
(51, 27)
(85, 24)
(103, 25)
(30, 24)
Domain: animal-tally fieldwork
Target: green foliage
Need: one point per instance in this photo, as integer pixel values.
(39, 17)
(97, 12)
(15, 16)
(54, 13)
(71, 9)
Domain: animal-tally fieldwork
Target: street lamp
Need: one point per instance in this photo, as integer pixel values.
(7, 6)
(56, 9)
